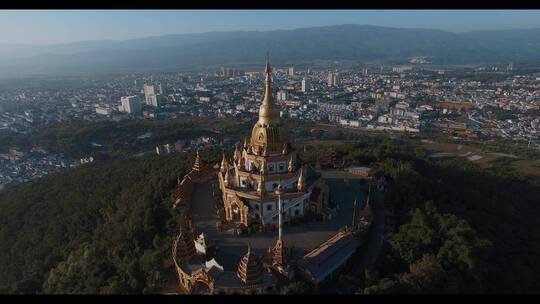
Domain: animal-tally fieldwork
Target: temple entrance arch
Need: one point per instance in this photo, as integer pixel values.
(236, 211)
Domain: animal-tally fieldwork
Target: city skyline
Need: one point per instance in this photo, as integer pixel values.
(54, 27)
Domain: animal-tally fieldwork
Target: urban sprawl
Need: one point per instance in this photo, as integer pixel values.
(474, 103)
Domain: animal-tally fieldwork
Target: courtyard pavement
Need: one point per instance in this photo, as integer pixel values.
(302, 237)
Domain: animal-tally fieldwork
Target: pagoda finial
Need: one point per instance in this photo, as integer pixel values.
(237, 154)
(291, 167)
(301, 181)
(224, 164)
(227, 179)
(267, 67)
(268, 113)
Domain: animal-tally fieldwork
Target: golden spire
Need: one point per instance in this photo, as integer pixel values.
(301, 181)
(237, 154)
(268, 113)
(224, 164)
(291, 165)
(245, 143)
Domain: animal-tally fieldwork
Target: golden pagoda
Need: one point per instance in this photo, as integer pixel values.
(248, 183)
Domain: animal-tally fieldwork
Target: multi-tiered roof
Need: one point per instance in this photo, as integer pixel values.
(250, 269)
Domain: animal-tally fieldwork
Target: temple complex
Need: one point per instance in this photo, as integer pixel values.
(264, 186)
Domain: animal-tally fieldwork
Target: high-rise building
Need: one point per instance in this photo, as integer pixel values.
(153, 101)
(330, 79)
(401, 68)
(290, 72)
(230, 72)
(150, 94)
(149, 89)
(510, 67)
(333, 79)
(306, 86)
(130, 104)
(160, 88)
(227, 72)
(282, 95)
(364, 72)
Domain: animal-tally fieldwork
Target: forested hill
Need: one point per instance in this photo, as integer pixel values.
(363, 43)
(106, 227)
(99, 228)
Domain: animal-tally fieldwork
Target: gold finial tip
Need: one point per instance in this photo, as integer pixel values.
(267, 68)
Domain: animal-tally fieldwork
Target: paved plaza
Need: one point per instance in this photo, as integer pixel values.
(302, 237)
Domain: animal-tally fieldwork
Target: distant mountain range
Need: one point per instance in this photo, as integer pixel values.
(362, 43)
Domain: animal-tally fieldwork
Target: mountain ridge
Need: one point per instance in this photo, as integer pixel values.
(361, 43)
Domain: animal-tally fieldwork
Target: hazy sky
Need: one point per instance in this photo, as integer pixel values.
(50, 26)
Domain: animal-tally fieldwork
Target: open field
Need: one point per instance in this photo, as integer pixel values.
(529, 167)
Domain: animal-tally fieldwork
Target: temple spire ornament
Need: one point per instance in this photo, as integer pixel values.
(224, 164)
(227, 179)
(301, 185)
(291, 167)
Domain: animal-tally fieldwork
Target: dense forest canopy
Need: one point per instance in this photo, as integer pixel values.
(100, 228)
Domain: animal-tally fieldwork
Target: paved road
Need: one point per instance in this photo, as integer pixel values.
(375, 239)
(303, 237)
